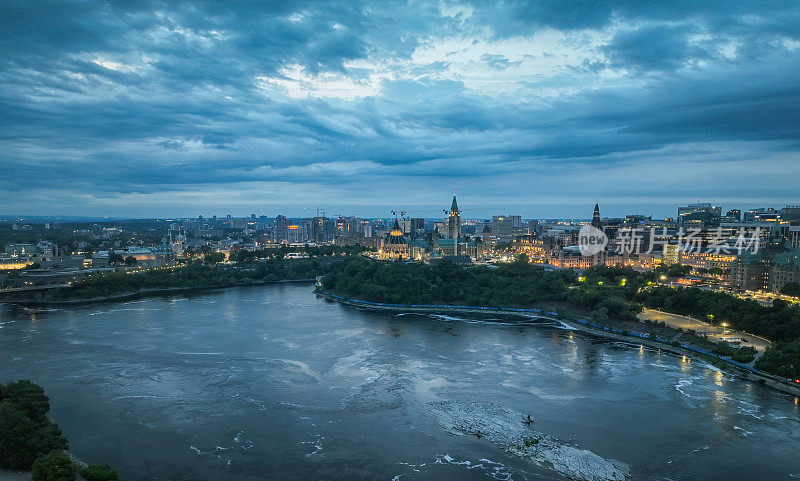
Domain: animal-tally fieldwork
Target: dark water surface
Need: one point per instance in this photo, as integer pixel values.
(270, 382)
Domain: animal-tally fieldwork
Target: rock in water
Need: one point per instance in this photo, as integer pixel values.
(507, 429)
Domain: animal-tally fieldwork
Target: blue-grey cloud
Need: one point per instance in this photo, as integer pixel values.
(137, 108)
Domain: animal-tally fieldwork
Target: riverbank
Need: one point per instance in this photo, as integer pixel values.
(737, 369)
(126, 296)
(709, 331)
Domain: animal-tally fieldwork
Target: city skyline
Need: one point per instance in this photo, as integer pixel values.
(403, 239)
(478, 212)
(160, 110)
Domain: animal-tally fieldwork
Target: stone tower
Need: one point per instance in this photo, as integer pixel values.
(454, 221)
(596, 218)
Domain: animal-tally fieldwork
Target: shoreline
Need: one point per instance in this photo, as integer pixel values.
(124, 296)
(732, 367)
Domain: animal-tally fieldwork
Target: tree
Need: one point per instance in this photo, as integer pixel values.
(99, 472)
(56, 466)
(791, 289)
(130, 261)
(16, 434)
(28, 397)
(213, 257)
(25, 431)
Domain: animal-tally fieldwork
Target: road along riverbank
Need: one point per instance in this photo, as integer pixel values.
(579, 324)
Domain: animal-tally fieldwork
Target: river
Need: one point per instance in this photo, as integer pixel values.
(270, 382)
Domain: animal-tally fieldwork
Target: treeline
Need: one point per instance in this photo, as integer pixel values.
(29, 440)
(282, 251)
(606, 294)
(193, 275)
(515, 284)
(779, 322)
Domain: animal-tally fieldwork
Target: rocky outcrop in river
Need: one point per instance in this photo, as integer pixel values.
(509, 430)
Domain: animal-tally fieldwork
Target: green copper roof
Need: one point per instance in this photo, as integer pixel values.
(454, 207)
(791, 257)
(747, 257)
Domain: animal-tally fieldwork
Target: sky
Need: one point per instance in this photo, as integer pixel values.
(162, 109)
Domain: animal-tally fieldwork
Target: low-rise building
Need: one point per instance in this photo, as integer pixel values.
(707, 260)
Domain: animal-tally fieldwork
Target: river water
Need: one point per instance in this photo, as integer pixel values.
(269, 382)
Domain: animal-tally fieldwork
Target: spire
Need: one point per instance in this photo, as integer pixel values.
(396, 230)
(454, 206)
(596, 218)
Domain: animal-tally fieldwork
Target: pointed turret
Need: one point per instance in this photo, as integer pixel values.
(396, 230)
(454, 206)
(596, 218)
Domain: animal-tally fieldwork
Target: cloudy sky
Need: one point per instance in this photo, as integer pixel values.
(143, 109)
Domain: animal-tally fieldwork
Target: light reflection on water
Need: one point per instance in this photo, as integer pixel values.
(271, 383)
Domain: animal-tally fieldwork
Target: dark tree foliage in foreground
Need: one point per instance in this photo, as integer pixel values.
(56, 466)
(25, 431)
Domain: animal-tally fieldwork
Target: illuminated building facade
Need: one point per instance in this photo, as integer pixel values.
(454, 225)
(395, 246)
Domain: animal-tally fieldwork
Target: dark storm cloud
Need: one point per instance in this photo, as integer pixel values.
(160, 98)
(655, 47)
(518, 16)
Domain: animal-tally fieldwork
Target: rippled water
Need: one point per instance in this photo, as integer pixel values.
(270, 382)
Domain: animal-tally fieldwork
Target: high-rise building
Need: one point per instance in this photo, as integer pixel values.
(534, 227)
(762, 214)
(506, 225)
(295, 234)
(412, 225)
(791, 213)
(349, 227)
(323, 230)
(733, 215)
(281, 229)
(699, 215)
(793, 236)
(366, 228)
